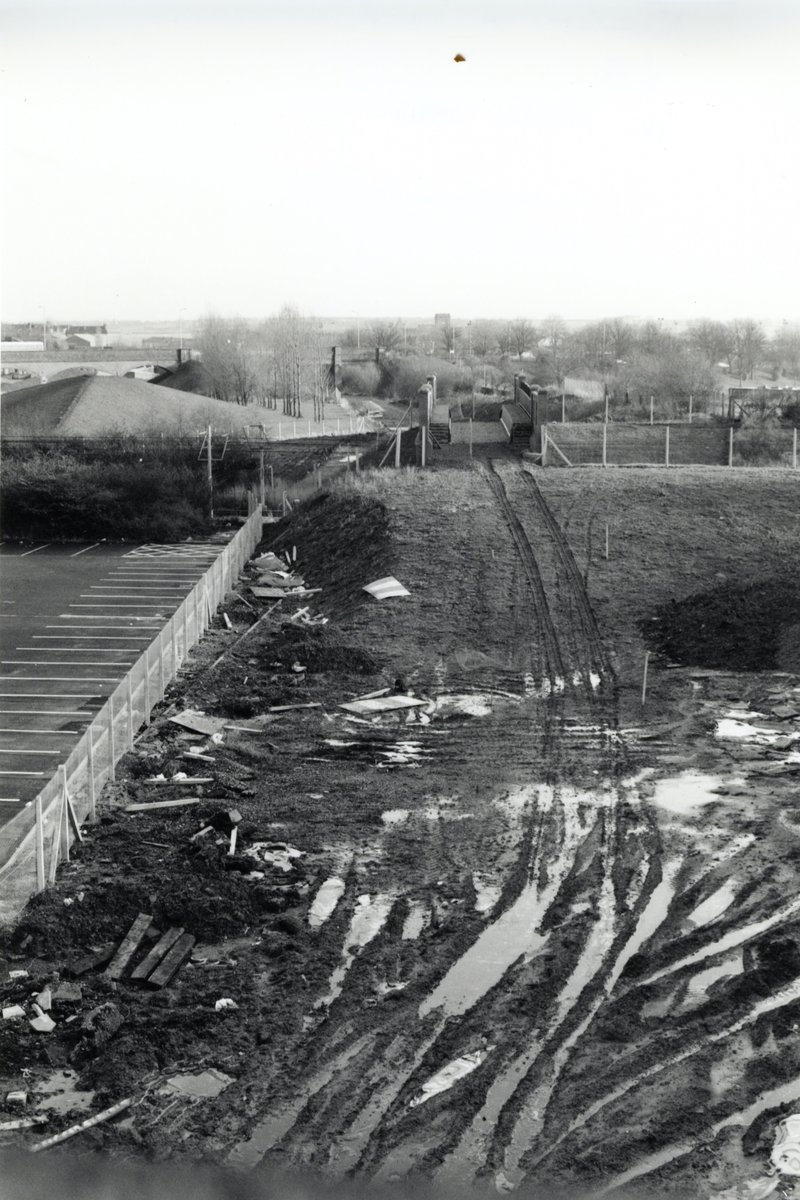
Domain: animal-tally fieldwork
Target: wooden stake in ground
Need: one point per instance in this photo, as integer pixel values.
(644, 676)
(730, 447)
(606, 554)
(651, 410)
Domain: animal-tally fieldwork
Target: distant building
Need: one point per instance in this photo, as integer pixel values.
(442, 321)
(78, 337)
(17, 344)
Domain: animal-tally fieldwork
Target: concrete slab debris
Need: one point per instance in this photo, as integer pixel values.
(383, 704)
(198, 722)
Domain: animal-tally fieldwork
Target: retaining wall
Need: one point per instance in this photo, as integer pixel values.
(39, 837)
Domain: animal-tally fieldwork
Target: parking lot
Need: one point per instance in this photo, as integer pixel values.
(74, 619)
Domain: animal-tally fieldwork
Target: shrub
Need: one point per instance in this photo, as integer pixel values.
(58, 496)
(361, 379)
(762, 446)
(403, 377)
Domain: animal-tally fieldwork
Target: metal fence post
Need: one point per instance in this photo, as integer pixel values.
(174, 637)
(112, 757)
(161, 664)
(40, 877)
(63, 830)
(185, 630)
(605, 443)
(730, 447)
(666, 448)
(794, 448)
(147, 686)
(130, 709)
(90, 773)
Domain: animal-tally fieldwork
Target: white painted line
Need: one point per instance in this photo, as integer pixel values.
(136, 587)
(83, 551)
(10, 800)
(54, 753)
(27, 774)
(60, 678)
(43, 712)
(158, 600)
(76, 650)
(159, 605)
(32, 662)
(44, 732)
(71, 618)
(33, 551)
(51, 695)
(72, 624)
(91, 637)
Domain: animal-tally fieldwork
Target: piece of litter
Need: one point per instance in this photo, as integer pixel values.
(445, 1078)
(384, 589)
(161, 804)
(225, 1002)
(19, 974)
(105, 1115)
(13, 1012)
(17, 1098)
(383, 704)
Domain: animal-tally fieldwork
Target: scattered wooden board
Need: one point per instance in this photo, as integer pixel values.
(162, 946)
(172, 962)
(130, 944)
(158, 804)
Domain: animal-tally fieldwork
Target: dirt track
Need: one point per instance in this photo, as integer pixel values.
(523, 886)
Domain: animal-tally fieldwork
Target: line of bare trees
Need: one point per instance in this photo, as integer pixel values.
(282, 360)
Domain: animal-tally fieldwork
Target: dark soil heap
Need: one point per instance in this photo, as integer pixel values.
(752, 628)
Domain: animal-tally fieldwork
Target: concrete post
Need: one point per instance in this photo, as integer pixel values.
(432, 381)
(794, 448)
(397, 442)
(666, 448)
(605, 443)
(730, 446)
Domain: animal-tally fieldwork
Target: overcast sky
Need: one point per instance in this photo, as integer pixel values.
(589, 158)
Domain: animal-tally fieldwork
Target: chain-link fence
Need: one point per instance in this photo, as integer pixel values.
(39, 837)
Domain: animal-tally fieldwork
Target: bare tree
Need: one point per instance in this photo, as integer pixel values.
(384, 335)
(746, 341)
(522, 335)
(709, 338)
(484, 337)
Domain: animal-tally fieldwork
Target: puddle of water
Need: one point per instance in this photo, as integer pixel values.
(744, 731)
(470, 705)
(703, 980)
(197, 1084)
(59, 1094)
(418, 919)
(486, 894)
(714, 905)
(395, 816)
(516, 931)
(366, 923)
(269, 1132)
(687, 791)
(325, 901)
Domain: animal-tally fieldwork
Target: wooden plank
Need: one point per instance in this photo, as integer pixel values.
(172, 962)
(157, 804)
(179, 782)
(164, 943)
(91, 962)
(130, 944)
(287, 707)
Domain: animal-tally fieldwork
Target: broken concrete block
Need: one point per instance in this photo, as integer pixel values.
(130, 944)
(17, 1099)
(13, 1012)
(45, 1000)
(68, 993)
(18, 974)
(41, 1022)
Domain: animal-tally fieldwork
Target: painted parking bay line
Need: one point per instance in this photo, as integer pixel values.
(85, 549)
(33, 551)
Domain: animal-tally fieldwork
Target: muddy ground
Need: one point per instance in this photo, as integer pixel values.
(580, 913)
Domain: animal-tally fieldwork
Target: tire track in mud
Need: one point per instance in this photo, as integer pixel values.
(787, 995)
(588, 621)
(554, 662)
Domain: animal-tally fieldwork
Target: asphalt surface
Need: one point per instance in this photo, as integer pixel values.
(74, 619)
